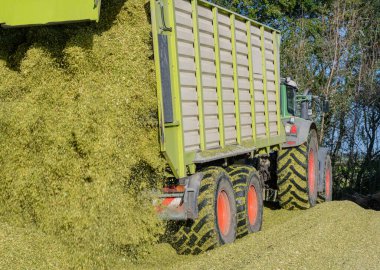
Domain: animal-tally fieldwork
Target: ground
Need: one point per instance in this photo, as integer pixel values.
(336, 235)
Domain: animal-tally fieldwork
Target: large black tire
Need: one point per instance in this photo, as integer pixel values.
(205, 233)
(245, 181)
(297, 175)
(327, 178)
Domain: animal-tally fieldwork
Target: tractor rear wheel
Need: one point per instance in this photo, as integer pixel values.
(326, 177)
(298, 173)
(216, 223)
(249, 198)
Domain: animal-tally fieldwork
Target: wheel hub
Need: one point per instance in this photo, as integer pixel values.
(252, 205)
(328, 182)
(224, 212)
(311, 172)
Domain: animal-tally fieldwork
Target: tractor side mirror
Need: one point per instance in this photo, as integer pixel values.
(326, 106)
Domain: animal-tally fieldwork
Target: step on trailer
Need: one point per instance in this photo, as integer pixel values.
(228, 126)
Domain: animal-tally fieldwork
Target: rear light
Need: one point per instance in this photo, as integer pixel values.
(174, 189)
(168, 204)
(293, 130)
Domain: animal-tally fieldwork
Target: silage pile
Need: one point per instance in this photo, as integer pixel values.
(28, 248)
(336, 235)
(78, 134)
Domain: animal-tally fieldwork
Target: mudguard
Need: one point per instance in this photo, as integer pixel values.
(303, 129)
(181, 206)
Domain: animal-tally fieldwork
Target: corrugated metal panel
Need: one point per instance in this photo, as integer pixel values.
(210, 97)
(271, 84)
(258, 81)
(227, 79)
(188, 79)
(187, 73)
(243, 79)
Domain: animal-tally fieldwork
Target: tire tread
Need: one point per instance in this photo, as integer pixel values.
(195, 237)
(292, 182)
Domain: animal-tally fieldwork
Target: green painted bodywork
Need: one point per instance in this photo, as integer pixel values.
(236, 82)
(39, 12)
(251, 81)
(219, 89)
(199, 76)
(172, 135)
(284, 102)
(277, 39)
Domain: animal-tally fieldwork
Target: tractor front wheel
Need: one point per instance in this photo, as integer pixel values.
(327, 178)
(298, 173)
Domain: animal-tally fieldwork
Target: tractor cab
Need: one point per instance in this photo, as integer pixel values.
(294, 104)
(298, 111)
(288, 94)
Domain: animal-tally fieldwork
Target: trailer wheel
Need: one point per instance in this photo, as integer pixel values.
(216, 224)
(326, 195)
(249, 198)
(297, 175)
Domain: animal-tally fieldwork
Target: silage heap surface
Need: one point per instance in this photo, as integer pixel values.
(79, 151)
(335, 235)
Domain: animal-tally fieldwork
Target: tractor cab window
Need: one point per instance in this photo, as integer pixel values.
(291, 99)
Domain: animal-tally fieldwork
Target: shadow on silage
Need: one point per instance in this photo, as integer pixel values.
(16, 42)
(272, 205)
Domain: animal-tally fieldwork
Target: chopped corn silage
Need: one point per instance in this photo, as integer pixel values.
(334, 235)
(79, 151)
(337, 235)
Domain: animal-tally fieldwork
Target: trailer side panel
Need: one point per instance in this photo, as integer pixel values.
(224, 82)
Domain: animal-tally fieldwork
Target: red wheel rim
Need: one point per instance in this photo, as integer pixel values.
(252, 205)
(311, 172)
(328, 183)
(224, 212)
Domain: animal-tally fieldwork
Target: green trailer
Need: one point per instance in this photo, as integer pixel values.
(218, 84)
(228, 126)
(39, 12)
